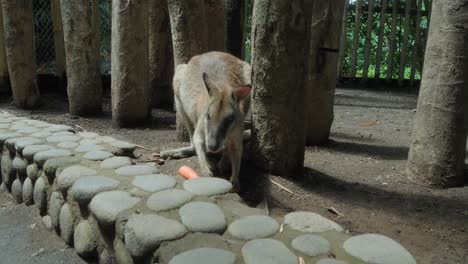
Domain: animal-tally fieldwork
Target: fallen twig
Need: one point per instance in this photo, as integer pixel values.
(333, 210)
(142, 147)
(282, 186)
(80, 127)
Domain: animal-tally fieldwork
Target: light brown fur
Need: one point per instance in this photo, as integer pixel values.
(212, 95)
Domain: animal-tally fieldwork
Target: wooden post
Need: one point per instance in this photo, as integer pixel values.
(215, 16)
(391, 43)
(19, 47)
(357, 22)
(4, 83)
(378, 56)
(417, 43)
(344, 32)
(404, 45)
(370, 20)
(59, 44)
(129, 66)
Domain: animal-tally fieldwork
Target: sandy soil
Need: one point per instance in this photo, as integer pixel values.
(360, 173)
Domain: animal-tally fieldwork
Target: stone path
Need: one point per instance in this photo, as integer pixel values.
(111, 210)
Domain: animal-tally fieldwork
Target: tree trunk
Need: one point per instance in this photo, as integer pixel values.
(20, 53)
(215, 16)
(327, 20)
(189, 38)
(4, 82)
(59, 44)
(280, 42)
(161, 60)
(84, 85)
(437, 151)
(129, 65)
(235, 27)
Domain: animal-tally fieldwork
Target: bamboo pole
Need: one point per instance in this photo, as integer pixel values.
(391, 50)
(354, 51)
(378, 56)
(58, 41)
(344, 33)
(404, 48)
(370, 21)
(417, 43)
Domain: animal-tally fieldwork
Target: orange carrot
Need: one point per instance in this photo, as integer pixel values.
(187, 172)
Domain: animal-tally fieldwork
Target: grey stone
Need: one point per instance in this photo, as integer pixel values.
(253, 227)
(203, 217)
(28, 130)
(40, 194)
(28, 192)
(53, 165)
(139, 169)
(5, 136)
(55, 205)
(67, 222)
(98, 155)
(331, 261)
(105, 139)
(30, 151)
(115, 162)
(310, 222)
(106, 206)
(86, 187)
(58, 139)
(4, 126)
(154, 182)
(41, 157)
(69, 175)
(88, 147)
(8, 174)
(21, 144)
(168, 199)
(379, 249)
(144, 233)
(122, 145)
(234, 209)
(20, 166)
(204, 256)
(88, 135)
(47, 222)
(10, 143)
(311, 245)
(267, 251)
(207, 186)
(85, 239)
(32, 172)
(17, 191)
(106, 258)
(41, 134)
(67, 145)
(88, 141)
(58, 128)
(63, 133)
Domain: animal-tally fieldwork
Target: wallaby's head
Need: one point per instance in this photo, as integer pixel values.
(224, 111)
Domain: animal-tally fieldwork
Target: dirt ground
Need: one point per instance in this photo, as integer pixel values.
(360, 173)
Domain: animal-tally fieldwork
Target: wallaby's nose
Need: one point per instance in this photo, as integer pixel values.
(213, 147)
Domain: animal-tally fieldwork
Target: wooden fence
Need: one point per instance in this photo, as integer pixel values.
(384, 39)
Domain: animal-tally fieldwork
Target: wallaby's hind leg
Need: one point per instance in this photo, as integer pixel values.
(178, 153)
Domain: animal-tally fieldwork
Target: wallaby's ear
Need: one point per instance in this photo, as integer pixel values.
(242, 91)
(210, 86)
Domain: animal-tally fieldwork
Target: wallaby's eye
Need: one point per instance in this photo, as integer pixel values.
(230, 118)
(207, 116)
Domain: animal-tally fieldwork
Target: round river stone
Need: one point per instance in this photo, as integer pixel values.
(374, 248)
(28, 191)
(311, 245)
(204, 256)
(267, 251)
(207, 186)
(69, 175)
(253, 227)
(30, 151)
(41, 157)
(89, 147)
(139, 169)
(115, 162)
(144, 233)
(57, 139)
(310, 222)
(106, 206)
(67, 145)
(154, 182)
(85, 188)
(203, 217)
(168, 199)
(331, 261)
(88, 135)
(98, 155)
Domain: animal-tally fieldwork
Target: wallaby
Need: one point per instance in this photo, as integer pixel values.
(212, 95)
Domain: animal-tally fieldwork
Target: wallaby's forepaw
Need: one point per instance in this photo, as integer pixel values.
(179, 153)
(235, 186)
